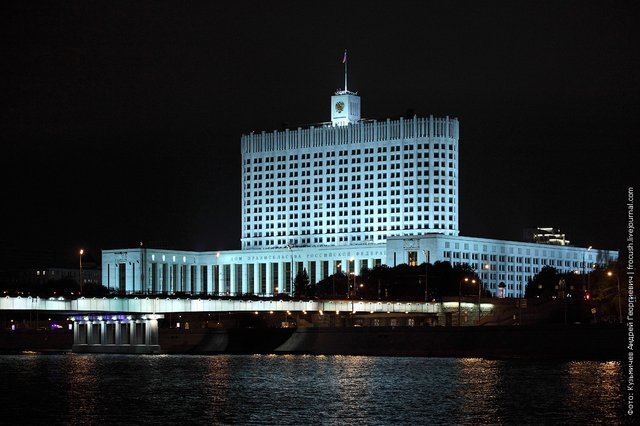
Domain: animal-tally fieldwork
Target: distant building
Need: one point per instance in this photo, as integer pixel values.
(546, 236)
(343, 196)
(91, 274)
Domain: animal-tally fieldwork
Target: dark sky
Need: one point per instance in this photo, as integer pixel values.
(121, 121)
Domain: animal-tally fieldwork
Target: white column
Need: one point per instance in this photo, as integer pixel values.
(281, 277)
(210, 270)
(197, 286)
(187, 277)
(171, 282)
(245, 279)
(256, 276)
(232, 280)
(269, 279)
(221, 279)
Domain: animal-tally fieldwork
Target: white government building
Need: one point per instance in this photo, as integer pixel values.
(343, 196)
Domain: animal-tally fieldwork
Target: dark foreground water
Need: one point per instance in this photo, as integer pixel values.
(74, 389)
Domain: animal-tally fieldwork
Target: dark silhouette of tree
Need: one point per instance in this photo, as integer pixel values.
(334, 286)
(62, 287)
(545, 284)
(302, 287)
(94, 290)
(607, 293)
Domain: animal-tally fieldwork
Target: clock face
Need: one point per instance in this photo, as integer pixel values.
(339, 106)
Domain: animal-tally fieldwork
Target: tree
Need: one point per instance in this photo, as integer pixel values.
(302, 287)
(334, 286)
(545, 284)
(606, 293)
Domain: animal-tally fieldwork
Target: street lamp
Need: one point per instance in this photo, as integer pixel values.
(459, 295)
(350, 277)
(291, 271)
(81, 253)
(609, 273)
(584, 267)
(338, 268)
(487, 267)
(426, 271)
(479, 287)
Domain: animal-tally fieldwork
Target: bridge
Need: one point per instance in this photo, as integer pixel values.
(130, 324)
(146, 305)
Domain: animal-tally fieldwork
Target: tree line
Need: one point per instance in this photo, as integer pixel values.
(402, 282)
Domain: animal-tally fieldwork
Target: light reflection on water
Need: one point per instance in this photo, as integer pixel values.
(335, 390)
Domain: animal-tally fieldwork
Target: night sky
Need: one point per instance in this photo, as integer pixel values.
(121, 122)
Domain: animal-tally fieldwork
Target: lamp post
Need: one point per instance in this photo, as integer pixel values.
(338, 268)
(485, 266)
(609, 273)
(350, 277)
(584, 267)
(351, 271)
(460, 295)
(81, 253)
(479, 287)
(291, 271)
(426, 271)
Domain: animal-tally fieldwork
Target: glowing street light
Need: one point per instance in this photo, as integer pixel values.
(479, 288)
(350, 278)
(460, 294)
(338, 269)
(610, 274)
(81, 280)
(584, 268)
(426, 272)
(291, 271)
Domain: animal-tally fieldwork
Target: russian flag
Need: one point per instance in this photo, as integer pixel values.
(344, 58)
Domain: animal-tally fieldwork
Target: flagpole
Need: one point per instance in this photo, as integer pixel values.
(345, 71)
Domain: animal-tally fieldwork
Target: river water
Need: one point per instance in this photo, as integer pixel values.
(78, 389)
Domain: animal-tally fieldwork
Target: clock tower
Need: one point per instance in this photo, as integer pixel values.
(345, 108)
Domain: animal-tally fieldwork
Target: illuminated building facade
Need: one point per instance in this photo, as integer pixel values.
(352, 184)
(347, 195)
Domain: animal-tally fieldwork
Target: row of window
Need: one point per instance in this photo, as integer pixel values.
(331, 193)
(510, 260)
(520, 250)
(332, 222)
(257, 171)
(408, 148)
(328, 209)
(270, 238)
(371, 215)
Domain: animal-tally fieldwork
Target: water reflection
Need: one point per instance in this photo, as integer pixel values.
(81, 386)
(477, 391)
(331, 390)
(598, 383)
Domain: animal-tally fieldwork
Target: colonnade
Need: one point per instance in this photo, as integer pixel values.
(116, 333)
(262, 277)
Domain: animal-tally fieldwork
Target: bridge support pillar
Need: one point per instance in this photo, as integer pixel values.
(116, 333)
